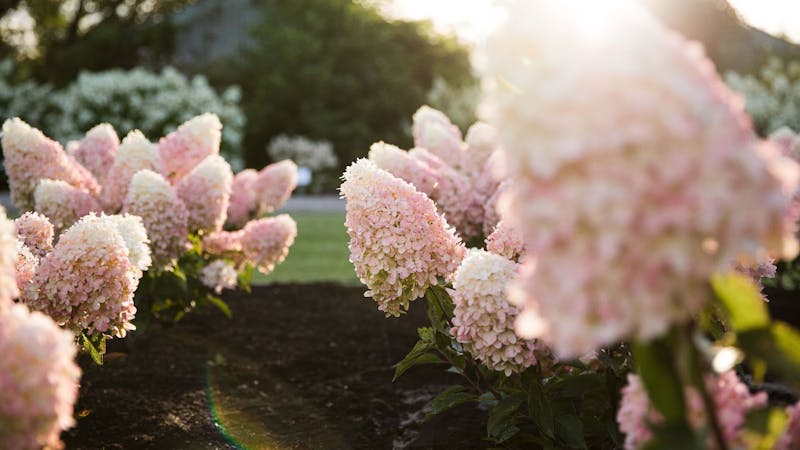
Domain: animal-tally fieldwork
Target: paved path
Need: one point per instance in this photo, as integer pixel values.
(298, 203)
(314, 203)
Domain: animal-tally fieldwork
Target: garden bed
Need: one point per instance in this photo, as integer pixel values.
(298, 366)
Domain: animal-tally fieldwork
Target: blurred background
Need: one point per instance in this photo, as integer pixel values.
(316, 80)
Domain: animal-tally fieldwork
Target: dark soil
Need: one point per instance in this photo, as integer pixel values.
(298, 367)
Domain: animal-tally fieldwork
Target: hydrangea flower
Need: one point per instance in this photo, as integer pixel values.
(87, 282)
(491, 209)
(790, 439)
(481, 142)
(434, 132)
(30, 156)
(38, 378)
(274, 185)
(135, 153)
(96, 151)
(637, 185)
(399, 245)
(9, 245)
(219, 275)
(206, 191)
(265, 242)
(731, 397)
(483, 319)
(223, 242)
(193, 141)
(402, 165)
(243, 202)
(454, 195)
(164, 215)
(26, 265)
(506, 241)
(133, 232)
(36, 232)
(62, 203)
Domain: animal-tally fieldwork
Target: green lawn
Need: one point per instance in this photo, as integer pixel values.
(319, 253)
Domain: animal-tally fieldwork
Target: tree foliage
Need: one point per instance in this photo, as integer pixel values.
(337, 70)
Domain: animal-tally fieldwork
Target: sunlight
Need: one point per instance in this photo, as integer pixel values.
(473, 20)
(773, 16)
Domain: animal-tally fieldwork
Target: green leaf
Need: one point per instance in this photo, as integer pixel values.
(661, 379)
(95, 347)
(420, 354)
(501, 418)
(673, 436)
(539, 407)
(449, 398)
(220, 304)
(742, 301)
(778, 346)
(764, 427)
(569, 430)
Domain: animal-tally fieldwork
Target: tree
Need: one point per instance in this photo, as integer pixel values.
(75, 35)
(340, 71)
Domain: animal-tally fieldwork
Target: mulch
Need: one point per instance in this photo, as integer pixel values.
(297, 367)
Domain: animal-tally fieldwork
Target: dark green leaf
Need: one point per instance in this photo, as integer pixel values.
(674, 436)
(539, 407)
(660, 378)
(501, 418)
(220, 304)
(569, 430)
(449, 398)
(420, 354)
(778, 346)
(741, 300)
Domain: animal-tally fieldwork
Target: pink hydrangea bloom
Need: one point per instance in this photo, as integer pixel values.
(731, 398)
(506, 241)
(483, 318)
(219, 275)
(637, 185)
(434, 132)
(790, 439)
(134, 234)
(38, 378)
(164, 215)
(243, 203)
(87, 282)
(491, 208)
(454, 195)
(206, 191)
(36, 232)
(96, 151)
(134, 154)
(399, 245)
(193, 141)
(26, 265)
(265, 242)
(481, 142)
(30, 156)
(9, 245)
(62, 203)
(402, 165)
(223, 242)
(274, 185)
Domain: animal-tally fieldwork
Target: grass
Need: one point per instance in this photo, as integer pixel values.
(319, 253)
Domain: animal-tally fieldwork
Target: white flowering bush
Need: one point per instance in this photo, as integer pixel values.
(155, 103)
(95, 250)
(772, 96)
(316, 155)
(590, 256)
